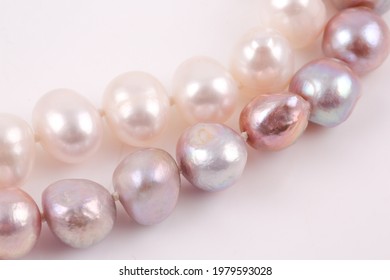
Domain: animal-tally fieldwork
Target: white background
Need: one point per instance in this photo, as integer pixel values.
(326, 197)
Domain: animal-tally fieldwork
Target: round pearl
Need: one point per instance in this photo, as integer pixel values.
(262, 62)
(67, 125)
(79, 212)
(204, 91)
(380, 6)
(301, 21)
(20, 223)
(211, 156)
(17, 151)
(274, 122)
(136, 107)
(331, 88)
(358, 37)
(148, 183)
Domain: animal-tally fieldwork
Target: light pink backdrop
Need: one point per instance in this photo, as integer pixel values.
(326, 197)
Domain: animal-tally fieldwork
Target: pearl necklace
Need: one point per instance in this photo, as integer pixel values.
(195, 146)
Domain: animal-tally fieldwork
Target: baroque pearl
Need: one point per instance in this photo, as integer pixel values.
(211, 156)
(204, 91)
(262, 62)
(148, 184)
(17, 151)
(301, 21)
(68, 126)
(20, 223)
(274, 122)
(136, 107)
(79, 212)
(380, 6)
(358, 37)
(331, 88)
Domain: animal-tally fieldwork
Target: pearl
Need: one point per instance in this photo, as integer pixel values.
(274, 122)
(211, 156)
(262, 62)
(136, 107)
(301, 21)
(148, 184)
(68, 126)
(358, 37)
(331, 88)
(380, 6)
(17, 151)
(204, 91)
(20, 223)
(79, 212)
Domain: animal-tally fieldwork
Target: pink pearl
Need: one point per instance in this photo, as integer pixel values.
(79, 212)
(68, 126)
(358, 37)
(17, 151)
(380, 6)
(20, 223)
(331, 88)
(262, 62)
(148, 184)
(274, 122)
(136, 106)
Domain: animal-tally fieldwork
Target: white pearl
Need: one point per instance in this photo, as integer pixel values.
(263, 62)
(204, 90)
(67, 125)
(17, 151)
(136, 107)
(301, 21)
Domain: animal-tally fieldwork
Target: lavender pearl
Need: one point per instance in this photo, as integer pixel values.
(20, 223)
(358, 37)
(148, 184)
(331, 88)
(274, 122)
(211, 156)
(79, 212)
(380, 6)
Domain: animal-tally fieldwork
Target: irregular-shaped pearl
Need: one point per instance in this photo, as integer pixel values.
(274, 122)
(211, 156)
(68, 126)
(263, 62)
(20, 223)
(204, 91)
(17, 151)
(358, 37)
(136, 107)
(301, 21)
(380, 6)
(148, 183)
(79, 212)
(331, 88)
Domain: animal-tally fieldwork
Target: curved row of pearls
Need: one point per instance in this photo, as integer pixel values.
(209, 155)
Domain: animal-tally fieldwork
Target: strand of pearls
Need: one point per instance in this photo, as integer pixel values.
(210, 155)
